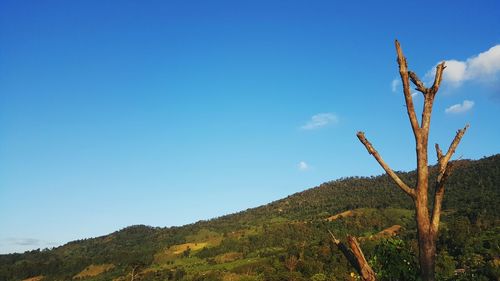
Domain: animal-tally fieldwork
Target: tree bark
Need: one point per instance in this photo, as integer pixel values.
(426, 247)
(355, 257)
(365, 269)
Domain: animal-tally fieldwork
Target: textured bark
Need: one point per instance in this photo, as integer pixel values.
(355, 257)
(427, 220)
(365, 270)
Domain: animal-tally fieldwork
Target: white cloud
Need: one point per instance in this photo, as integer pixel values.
(460, 108)
(320, 120)
(485, 64)
(483, 67)
(394, 84)
(454, 72)
(303, 166)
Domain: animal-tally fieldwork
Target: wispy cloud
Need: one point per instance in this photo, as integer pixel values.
(22, 244)
(395, 84)
(302, 166)
(484, 67)
(24, 241)
(320, 120)
(460, 108)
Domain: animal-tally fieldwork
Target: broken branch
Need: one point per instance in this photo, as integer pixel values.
(403, 72)
(439, 153)
(420, 86)
(355, 257)
(365, 270)
(452, 148)
(437, 79)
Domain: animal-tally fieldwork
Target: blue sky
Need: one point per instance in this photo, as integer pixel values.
(115, 113)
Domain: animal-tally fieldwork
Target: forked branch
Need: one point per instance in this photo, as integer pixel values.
(429, 100)
(437, 79)
(387, 169)
(445, 169)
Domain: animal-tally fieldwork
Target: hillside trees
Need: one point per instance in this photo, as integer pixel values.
(427, 217)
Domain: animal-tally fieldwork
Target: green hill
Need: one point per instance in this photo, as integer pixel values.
(288, 239)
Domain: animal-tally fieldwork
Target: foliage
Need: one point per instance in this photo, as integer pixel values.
(393, 259)
(318, 277)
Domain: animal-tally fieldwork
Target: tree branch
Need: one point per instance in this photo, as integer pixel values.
(420, 86)
(429, 99)
(451, 149)
(388, 170)
(445, 169)
(439, 153)
(345, 250)
(438, 198)
(403, 72)
(437, 79)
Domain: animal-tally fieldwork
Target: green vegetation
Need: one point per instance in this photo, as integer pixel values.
(288, 239)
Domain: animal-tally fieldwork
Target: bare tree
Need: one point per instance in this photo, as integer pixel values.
(135, 274)
(291, 263)
(427, 216)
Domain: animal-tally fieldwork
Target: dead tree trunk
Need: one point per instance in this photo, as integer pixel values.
(427, 219)
(355, 257)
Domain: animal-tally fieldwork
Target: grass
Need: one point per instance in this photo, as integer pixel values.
(179, 249)
(93, 270)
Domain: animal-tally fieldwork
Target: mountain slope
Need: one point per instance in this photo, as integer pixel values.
(288, 238)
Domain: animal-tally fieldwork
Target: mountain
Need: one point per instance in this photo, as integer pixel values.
(288, 239)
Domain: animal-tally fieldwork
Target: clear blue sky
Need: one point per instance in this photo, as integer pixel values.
(115, 113)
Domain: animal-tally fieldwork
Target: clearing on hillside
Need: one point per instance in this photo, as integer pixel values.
(345, 214)
(93, 270)
(35, 278)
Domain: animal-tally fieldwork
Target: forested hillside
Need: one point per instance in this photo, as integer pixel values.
(288, 239)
